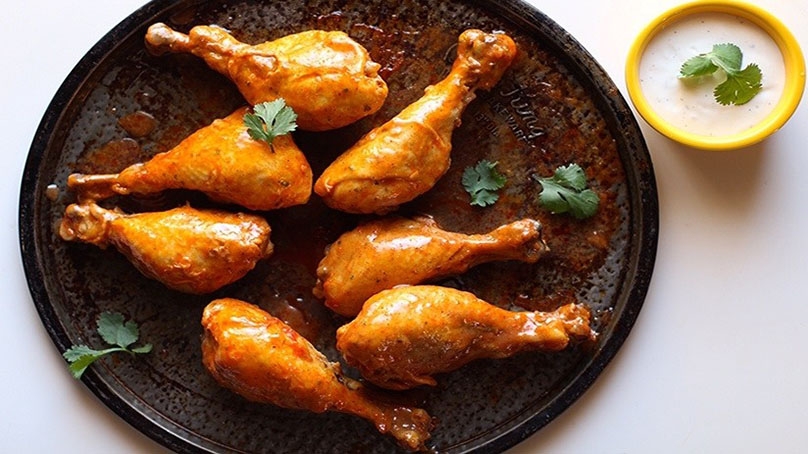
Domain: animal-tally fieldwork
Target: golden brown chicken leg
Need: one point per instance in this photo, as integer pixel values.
(193, 251)
(381, 254)
(405, 335)
(406, 156)
(221, 160)
(261, 358)
(325, 76)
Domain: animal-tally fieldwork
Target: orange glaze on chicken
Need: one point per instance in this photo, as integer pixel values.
(221, 160)
(193, 251)
(381, 254)
(405, 335)
(325, 76)
(262, 359)
(405, 157)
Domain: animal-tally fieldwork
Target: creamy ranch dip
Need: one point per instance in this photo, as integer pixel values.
(689, 104)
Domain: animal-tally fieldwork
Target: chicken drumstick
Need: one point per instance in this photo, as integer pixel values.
(405, 157)
(221, 160)
(193, 251)
(261, 358)
(325, 76)
(381, 254)
(405, 335)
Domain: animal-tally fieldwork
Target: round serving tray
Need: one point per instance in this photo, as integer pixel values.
(554, 106)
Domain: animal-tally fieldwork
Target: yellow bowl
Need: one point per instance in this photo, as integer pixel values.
(785, 107)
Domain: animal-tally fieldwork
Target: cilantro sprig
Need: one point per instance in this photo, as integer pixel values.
(270, 120)
(566, 192)
(114, 331)
(740, 86)
(482, 181)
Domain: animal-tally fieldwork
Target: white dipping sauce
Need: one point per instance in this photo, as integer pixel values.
(689, 104)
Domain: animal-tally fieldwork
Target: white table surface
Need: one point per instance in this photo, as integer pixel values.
(714, 363)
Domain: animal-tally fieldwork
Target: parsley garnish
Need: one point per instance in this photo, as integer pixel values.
(114, 331)
(741, 85)
(269, 120)
(482, 181)
(566, 192)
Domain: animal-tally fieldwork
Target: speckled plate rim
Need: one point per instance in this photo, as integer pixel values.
(640, 179)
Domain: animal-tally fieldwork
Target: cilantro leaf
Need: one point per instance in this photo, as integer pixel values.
(77, 351)
(484, 198)
(700, 65)
(82, 357)
(739, 87)
(482, 181)
(255, 127)
(552, 196)
(727, 57)
(572, 176)
(566, 192)
(583, 204)
(81, 363)
(269, 120)
(114, 331)
(146, 348)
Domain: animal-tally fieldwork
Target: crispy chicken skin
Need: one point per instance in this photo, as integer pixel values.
(405, 157)
(190, 250)
(256, 355)
(220, 160)
(405, 335)
(325, 76)
(383, 253)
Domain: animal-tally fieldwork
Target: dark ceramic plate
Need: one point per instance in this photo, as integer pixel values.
(553, 107)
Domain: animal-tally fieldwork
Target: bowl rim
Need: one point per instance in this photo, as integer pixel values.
(794, 66)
